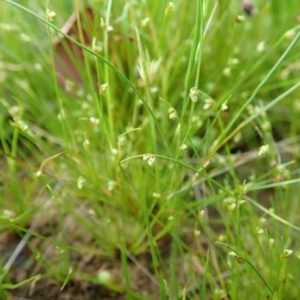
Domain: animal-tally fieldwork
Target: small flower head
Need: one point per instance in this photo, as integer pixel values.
(80, 92)
(232, 206)
(156, 195)
(290, 34)
(96, 47)
(239, 19)
(111, 185)
(197, 232)
(286, 253)
(266, 125)
(271, 210)
(69, 85)
(103, 88)
(183, 147)
(105, 27)
(80, 182)
(147, 72)
(172, 113)
(105, 277)
(50, 15)
(9, 27)
(234, 61)
(222, 238)
(18, 123)
(38, 67)
(38, 173)
(227, 72)
(224, 106)
(201, 214)
(25, 38)
(261, 46)
(114, 151)
(229, 200)
(209, 103)
(153, 89)
(238, 258)
(94, 121)
(8, 214)
(170, 8)
(263, 150)
(86, 143)
(121, 141)
(171, 218)
(259, 230)
(145, 21)
(263, 220)
(232, 253)
(150, 158)
(219, 294)
(91, 212)
(194, 94)
(197, 121)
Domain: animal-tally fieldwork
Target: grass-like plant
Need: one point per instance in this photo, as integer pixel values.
(169, 148)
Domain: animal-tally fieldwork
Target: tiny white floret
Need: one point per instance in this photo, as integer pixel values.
(170, 8)
(145, 21)
(286, 253)
(121, 141)
(172, 113)
(50, 15)
(94, 121)
(105, 277)
(111, 185)
(156, 195)
(194, 94)
(263, 150)
(103, 88)
(209, 103)
(224, 106)
(183, 147)
(151, 160)
(80, 182)
(259, 230)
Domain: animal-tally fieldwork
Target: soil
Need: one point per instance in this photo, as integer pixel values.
(79, 288)
(84, 284)
(25, 266)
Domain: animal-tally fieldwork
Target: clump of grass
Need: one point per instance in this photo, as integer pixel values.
(181, 136)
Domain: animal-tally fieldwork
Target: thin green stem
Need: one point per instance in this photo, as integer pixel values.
(192, 58)
(249, 263)
(106, 71)
(119, 73)
(225, 133)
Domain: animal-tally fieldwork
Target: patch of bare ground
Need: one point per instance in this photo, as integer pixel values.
(83, 265)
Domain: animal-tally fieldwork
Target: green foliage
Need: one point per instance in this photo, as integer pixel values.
(181, 131)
